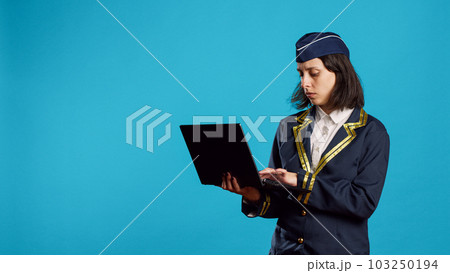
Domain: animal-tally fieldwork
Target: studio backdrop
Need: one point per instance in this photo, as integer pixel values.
(92, 94)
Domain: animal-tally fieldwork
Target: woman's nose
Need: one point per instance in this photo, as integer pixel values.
(305, 82)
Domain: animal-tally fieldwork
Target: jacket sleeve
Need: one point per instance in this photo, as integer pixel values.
(359, 197)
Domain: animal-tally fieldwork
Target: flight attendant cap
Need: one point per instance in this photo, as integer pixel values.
(316, 44)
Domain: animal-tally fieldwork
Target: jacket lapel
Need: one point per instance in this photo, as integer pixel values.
(302, 135)
(342, 133)
(307, 132)
(343, 137)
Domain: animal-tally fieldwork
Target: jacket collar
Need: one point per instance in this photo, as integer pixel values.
(345, 134)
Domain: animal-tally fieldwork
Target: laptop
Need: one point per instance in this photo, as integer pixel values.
(221, 148)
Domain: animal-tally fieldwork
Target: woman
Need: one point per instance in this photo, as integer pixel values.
(331, 159)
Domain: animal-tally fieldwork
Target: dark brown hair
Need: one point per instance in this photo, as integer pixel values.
(347, 90)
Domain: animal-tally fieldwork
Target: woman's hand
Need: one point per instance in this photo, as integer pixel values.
(230, 183)
(280, 175)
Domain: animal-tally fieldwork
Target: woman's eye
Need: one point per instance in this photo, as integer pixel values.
(314, 74)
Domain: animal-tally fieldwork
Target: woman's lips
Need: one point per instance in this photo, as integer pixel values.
(310, 95)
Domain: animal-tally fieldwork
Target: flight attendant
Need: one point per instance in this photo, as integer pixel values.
(331, 159)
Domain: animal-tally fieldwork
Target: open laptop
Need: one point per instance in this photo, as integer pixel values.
(221, 148)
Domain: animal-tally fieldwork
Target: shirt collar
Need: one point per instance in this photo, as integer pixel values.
(336, 116)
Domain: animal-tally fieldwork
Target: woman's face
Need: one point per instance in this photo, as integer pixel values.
(317, 82)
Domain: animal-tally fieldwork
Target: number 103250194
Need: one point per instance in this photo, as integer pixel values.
(403, 264)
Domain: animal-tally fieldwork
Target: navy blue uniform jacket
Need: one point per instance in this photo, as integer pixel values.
(341, 194)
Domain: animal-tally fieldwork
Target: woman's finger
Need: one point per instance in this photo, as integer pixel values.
(223, 181)
(235, 184)
(266, 170)
(267, 173)
(228, 182)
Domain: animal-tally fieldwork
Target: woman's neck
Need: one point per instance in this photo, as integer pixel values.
(327, 110)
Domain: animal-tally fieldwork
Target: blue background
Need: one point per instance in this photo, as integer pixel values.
(70, 75)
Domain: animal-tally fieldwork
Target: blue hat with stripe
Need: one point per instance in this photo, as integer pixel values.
(317, 44)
